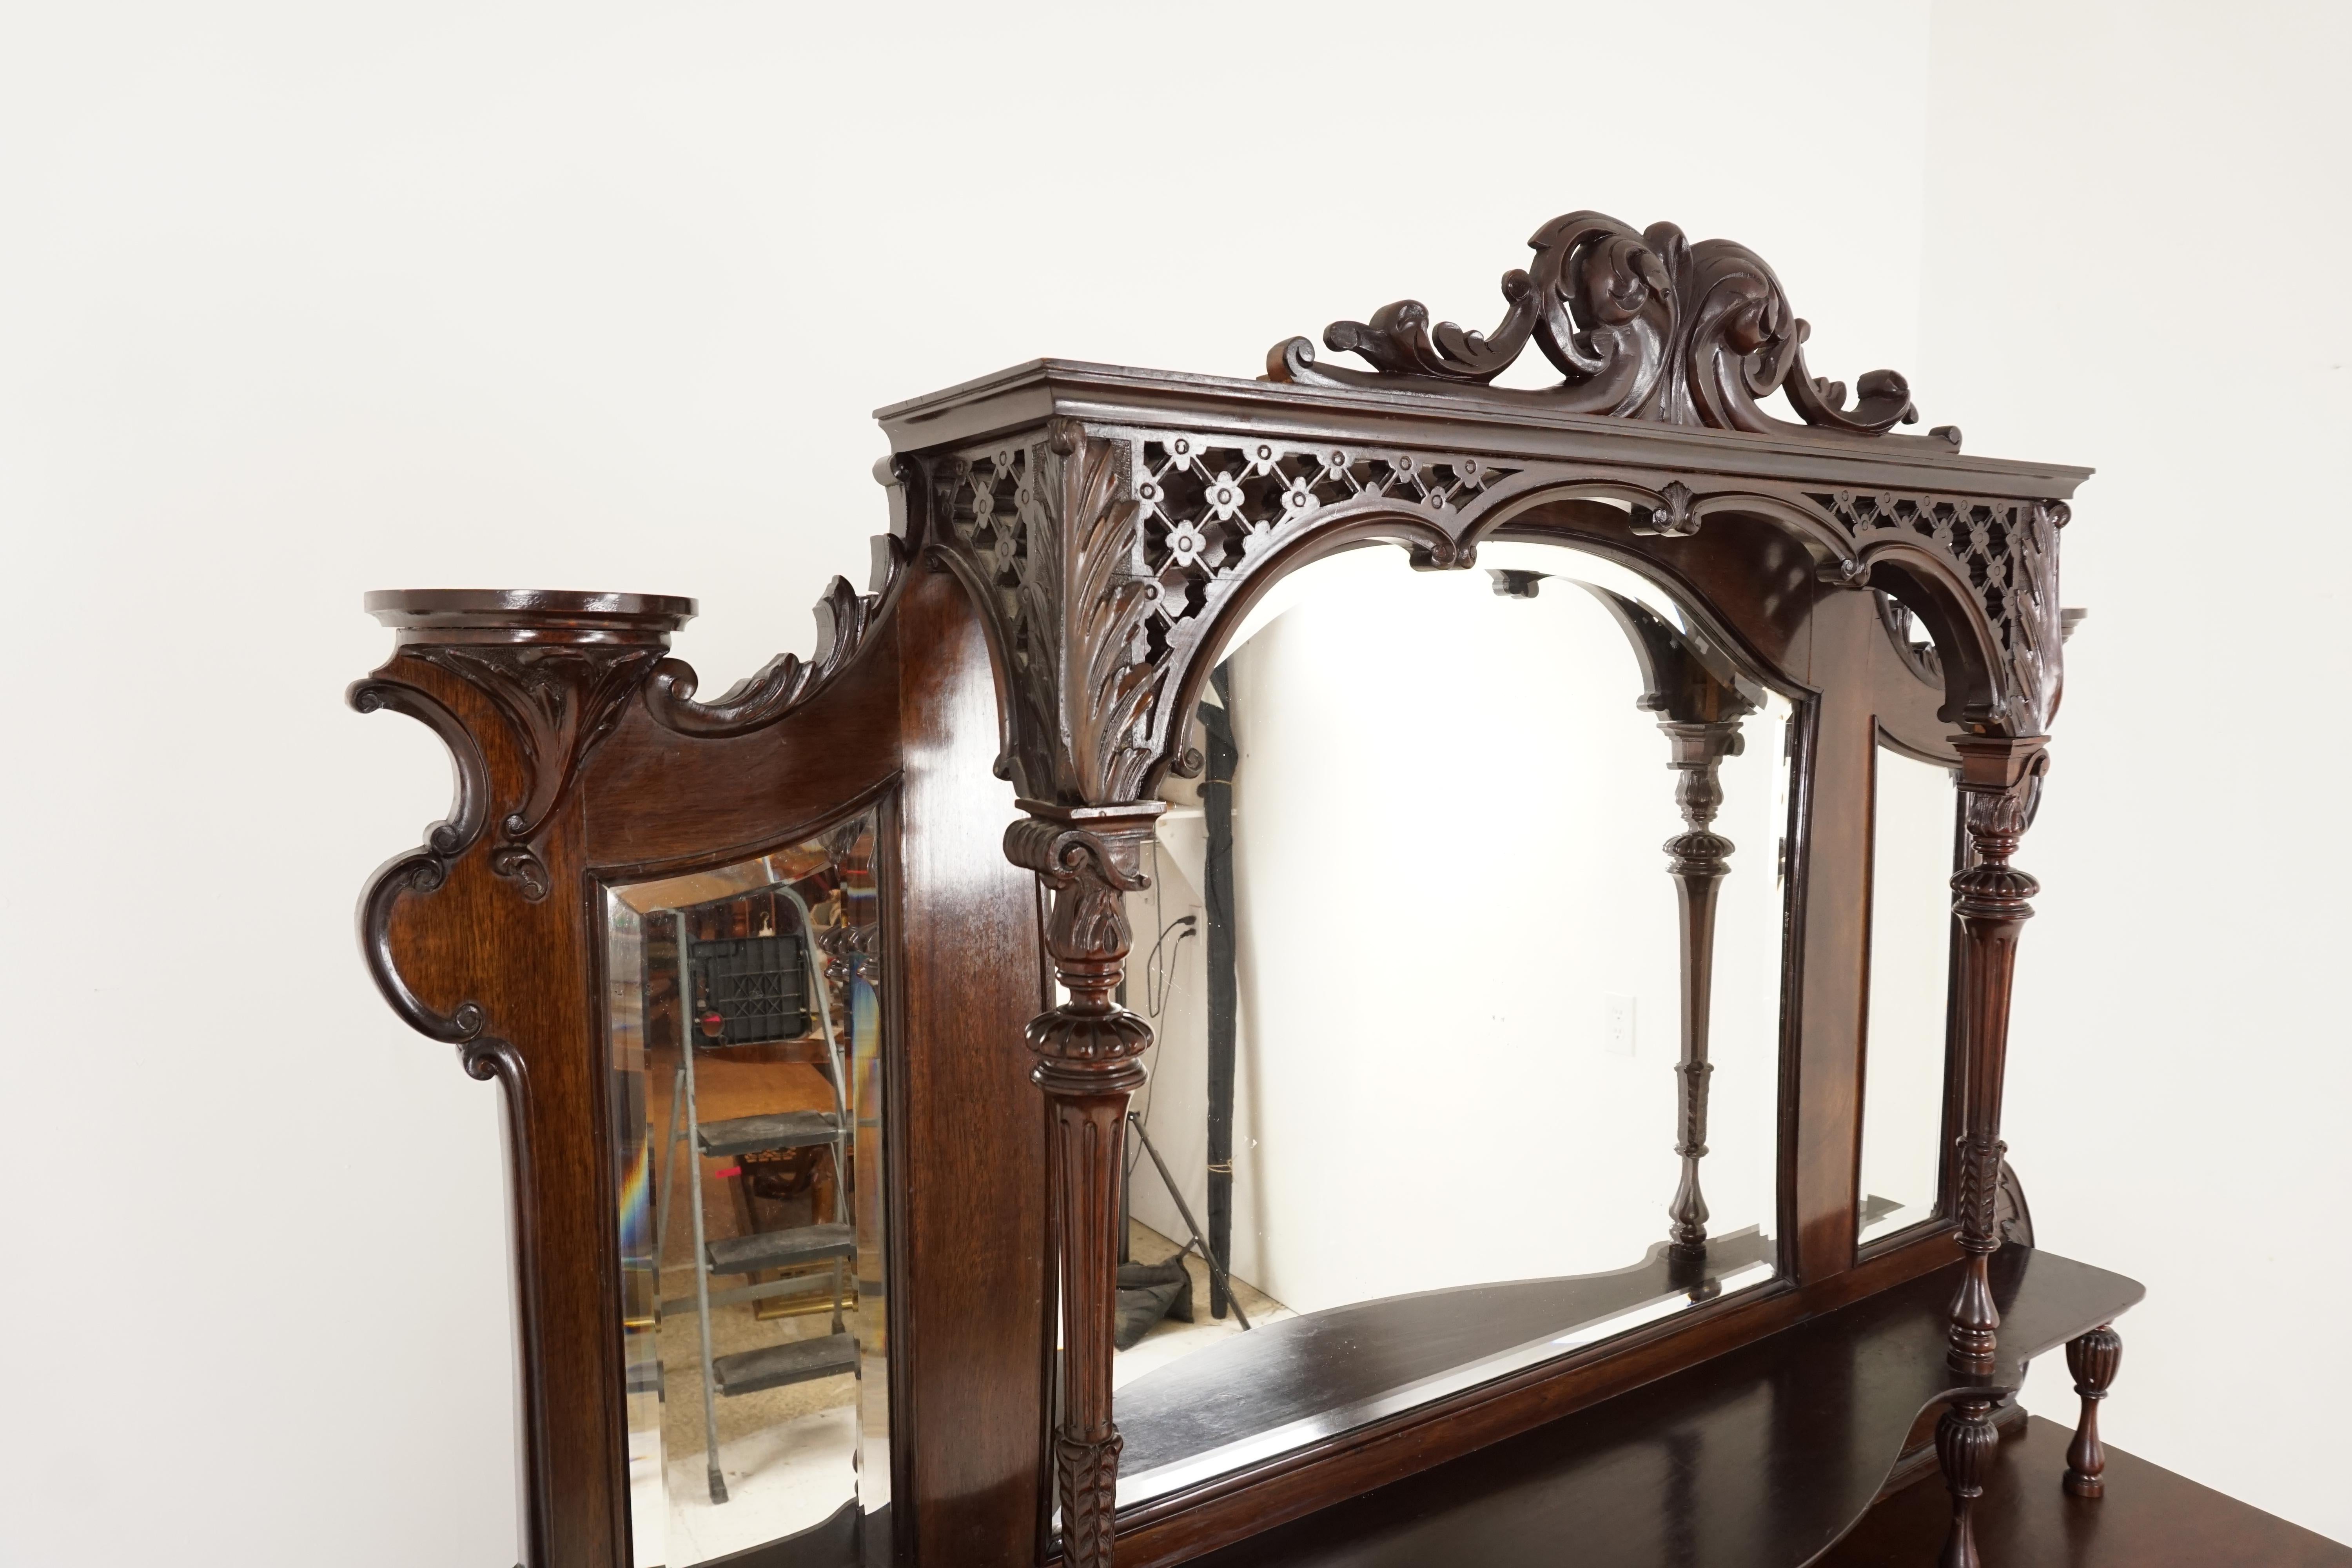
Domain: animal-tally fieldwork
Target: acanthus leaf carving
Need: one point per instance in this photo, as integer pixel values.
(1048, 534)
(844, 620)
(1641, 324)
(560, 702)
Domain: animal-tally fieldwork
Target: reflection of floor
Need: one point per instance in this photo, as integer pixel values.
(779, 1479)
(1171, 1339)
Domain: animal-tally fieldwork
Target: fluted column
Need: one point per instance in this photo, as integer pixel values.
(1698, 859)
(1087, 1048)
(1991, 899)
(1966, 1441)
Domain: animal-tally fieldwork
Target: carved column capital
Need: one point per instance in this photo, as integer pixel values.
(1697, 750)
(1090, 858)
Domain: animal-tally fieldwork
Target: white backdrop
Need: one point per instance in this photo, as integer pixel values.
(2138, 216)
(296, 301)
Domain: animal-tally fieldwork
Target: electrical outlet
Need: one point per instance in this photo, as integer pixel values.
(1617, 1023)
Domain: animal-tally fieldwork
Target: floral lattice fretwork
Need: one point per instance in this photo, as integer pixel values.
(2007, 552)
(1209, 506)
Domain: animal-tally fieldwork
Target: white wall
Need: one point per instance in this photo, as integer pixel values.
(2138, 220)
(296, 301)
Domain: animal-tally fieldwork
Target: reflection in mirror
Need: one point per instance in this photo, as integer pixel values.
(1455, 1071)
(745, 1022)
(1914, 836)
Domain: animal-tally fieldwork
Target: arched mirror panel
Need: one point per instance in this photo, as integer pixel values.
(744, 1018)
(1463, 955)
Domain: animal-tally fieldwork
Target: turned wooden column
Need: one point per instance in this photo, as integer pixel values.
(1966, 1441)
(1698, 859)
(1087, 1048)
(2094, 1359)
(1991, 899)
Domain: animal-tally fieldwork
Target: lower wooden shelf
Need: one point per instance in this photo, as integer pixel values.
(1758, 1458)
(2150, 1518)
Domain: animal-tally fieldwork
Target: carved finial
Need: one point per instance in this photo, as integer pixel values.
(1641, 324)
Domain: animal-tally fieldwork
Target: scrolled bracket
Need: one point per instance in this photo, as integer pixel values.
(425, 869)
(560, 702)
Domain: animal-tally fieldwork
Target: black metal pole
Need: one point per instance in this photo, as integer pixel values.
(1217, 810)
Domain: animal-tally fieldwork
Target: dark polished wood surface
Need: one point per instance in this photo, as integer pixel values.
(2150, 1518)
(1321, 1362)
(1758, 1458)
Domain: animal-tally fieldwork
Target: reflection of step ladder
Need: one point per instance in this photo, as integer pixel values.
(743, 994)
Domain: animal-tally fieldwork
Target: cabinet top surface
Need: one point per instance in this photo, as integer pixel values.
(1496, 420)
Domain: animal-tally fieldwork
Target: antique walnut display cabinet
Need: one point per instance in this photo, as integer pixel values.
(1171, 1036)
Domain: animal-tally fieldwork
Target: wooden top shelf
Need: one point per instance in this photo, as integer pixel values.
(1758, 1458)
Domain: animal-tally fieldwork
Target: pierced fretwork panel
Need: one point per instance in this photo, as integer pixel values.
(1207, 504)
(2007, 553)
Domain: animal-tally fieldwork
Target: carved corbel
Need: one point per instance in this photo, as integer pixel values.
(559, 667)
(1992, 901)
(1088, 1050)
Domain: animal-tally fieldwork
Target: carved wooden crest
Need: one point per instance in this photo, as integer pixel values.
(1643, 324)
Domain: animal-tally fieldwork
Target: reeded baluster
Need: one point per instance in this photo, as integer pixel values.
(1992, 899)
(1965, 1443)
(1090, 858)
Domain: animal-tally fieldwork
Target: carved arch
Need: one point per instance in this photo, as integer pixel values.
(1111, 564)
(1968, 648)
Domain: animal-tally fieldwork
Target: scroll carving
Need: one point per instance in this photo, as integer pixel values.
(422, 869)
(1641, 324)
(844, 620)
(560, 702)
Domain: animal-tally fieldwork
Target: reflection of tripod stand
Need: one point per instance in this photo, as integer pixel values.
(800, 1361)
(1216, 1271)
